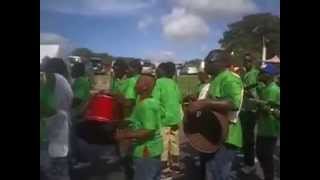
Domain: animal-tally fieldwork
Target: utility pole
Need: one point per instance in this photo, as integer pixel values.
(264, 51)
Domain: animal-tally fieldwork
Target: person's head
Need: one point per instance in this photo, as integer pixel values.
(120, 67)
(56, 65)
(268, 73)
(145, 85)
(78, 70)
(134, 68)
(248, 61)
(203, 77)
(170, 69)
(217, 61)
(160, 71)
(235, 68)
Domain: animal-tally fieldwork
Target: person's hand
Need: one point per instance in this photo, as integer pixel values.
(189, 98)
(121, 134)
(196, 106)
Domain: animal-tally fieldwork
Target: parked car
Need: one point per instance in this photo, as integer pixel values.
(98, 66)
(189, 70)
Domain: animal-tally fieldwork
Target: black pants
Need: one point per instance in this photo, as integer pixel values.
(265, 150)
(248, 122)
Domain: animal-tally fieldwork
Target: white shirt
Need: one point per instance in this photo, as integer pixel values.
(63, 93)
(204, 91)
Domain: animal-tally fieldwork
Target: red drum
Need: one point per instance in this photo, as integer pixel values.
(103, 108)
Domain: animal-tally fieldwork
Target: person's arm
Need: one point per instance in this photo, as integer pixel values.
(215, 105)
(149, 122)
(140, 134)
(231, 101)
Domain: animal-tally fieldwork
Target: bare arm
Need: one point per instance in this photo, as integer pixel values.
(215, 105)
(140, 134)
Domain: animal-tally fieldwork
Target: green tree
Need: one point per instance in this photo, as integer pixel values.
(105, 57)
(246, 35)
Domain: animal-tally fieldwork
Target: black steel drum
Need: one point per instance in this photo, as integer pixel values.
(94, 132)
(206, 130)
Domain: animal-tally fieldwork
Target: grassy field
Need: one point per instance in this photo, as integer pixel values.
(188, 84)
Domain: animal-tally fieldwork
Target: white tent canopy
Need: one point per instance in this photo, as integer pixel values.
(275, 60)
(50, 50)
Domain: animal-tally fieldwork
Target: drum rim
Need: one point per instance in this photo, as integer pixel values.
(225, 131)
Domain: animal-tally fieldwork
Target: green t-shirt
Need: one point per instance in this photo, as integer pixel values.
(118, 86)
(146, 115)
(167, 92)
(250, 79)
(81, 88)
(228, 86)
(268, 125)
(130, 87)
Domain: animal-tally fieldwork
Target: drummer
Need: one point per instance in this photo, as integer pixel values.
(226, 94)
(145, 131)
(126, 93)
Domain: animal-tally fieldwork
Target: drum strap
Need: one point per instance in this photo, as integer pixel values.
(234, 115)
(204, 92)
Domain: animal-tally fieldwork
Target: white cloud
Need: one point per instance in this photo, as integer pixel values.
(183, 26)
(96, 7)
(161, 56)
(52, 38)
(215, 9)
(145, 22)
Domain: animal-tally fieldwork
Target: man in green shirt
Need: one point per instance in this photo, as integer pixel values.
(167, 92)
(81, 89)
(269, 120)
(129, 91)
(145, 131)
(120, 68)
(226, 95)
(248, 115)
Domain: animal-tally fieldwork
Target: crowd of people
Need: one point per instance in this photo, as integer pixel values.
(145, 145)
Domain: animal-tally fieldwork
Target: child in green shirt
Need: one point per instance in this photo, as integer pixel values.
(145, 132)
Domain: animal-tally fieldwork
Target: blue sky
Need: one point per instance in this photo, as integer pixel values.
(157, 29)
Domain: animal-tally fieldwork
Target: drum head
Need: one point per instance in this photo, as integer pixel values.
(205, 130)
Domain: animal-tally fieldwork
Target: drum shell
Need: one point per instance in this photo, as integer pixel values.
(103, 108)
(95, 132)
(195, 127)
